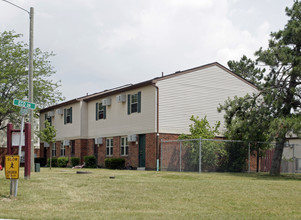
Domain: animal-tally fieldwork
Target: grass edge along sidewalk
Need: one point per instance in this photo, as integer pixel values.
(63, 194)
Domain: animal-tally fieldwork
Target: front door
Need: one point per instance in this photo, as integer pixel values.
(142, 150)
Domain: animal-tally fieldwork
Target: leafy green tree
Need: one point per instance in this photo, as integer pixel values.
(211, 151)
(201, 129)
(14, 77)
(48, 135)
(275, 110)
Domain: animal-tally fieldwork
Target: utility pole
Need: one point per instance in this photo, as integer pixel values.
(30, 85)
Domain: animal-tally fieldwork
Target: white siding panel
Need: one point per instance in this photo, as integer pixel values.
(118, 122)
(196, 93)
(66, 131)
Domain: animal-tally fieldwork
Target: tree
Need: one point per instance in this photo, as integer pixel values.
(278, 102)
(246, 119)
(247, 69)
(48, 135)
(281, 89)
(210, 150)
(14, 77)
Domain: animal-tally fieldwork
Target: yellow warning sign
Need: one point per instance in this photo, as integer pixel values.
(12, 166)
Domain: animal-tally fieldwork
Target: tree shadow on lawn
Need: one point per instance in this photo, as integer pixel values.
(267, 176)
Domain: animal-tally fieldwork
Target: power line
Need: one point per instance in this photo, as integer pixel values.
(16, 6)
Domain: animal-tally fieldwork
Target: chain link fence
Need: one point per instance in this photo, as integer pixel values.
(213, 155)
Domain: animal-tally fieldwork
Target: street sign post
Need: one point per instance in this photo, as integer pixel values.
(24, 104)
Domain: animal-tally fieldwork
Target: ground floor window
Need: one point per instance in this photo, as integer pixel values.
(109, 146)
(124, 148)
(63, 150)
(53, 150)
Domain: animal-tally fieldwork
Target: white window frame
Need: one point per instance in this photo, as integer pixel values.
(134, 102)
(53, 150)
(63, 150)
(101, 111)
(109, 147)
(68, 115)
(124, 146)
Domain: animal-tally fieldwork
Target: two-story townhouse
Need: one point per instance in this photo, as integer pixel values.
(129, 122)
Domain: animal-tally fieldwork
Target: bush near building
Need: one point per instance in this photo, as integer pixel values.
(90, 162)
(115, 163)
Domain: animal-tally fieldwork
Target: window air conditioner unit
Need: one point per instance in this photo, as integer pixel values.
(66, 143)
(132, 138)
(46, 144)
(121, 98)
(50, 114)
(98, 140)
(59, 111)
(106, 101)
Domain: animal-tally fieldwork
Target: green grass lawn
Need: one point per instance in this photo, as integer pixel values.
(60, 193)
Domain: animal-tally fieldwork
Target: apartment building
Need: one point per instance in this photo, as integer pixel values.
(129, 121)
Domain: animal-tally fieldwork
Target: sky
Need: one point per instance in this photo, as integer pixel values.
(102, 44)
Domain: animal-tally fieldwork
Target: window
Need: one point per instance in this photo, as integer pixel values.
(124, 148)
(134, 103)
(109, 146)
(100, 111)
(68, 115)
(48, 118)
(63, 150)
(53, 150)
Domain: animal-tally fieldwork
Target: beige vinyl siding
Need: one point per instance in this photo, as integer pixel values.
(65, 131)
(197, 93)
(118, 122)
(84, 119)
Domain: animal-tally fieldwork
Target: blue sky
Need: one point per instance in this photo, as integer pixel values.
(101, 44)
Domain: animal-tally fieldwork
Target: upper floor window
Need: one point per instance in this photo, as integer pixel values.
(48, 118)
(68, 115)
(134, 103)
(100, 111)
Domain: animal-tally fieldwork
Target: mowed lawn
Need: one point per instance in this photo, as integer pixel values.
(60, 193)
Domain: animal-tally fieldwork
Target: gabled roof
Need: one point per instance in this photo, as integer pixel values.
(128, 87)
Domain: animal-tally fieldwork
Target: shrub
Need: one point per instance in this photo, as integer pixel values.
(53, 162)
(74, 161)
(90, 162)
(62, 161)
(237, 157)
(42, 161)
(115, 163)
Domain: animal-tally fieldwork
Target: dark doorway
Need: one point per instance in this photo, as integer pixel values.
(142, 150)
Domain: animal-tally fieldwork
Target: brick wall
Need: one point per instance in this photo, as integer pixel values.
(150, 151)
(86, 147)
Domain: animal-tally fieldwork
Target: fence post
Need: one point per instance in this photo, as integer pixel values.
(249, 156)
(200, 156)
(294, 159)
(180, 156)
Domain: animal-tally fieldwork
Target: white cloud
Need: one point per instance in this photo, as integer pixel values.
(103, 44)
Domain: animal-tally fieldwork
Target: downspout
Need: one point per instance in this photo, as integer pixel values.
(157, 132)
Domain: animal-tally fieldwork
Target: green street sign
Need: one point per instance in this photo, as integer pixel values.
(24, 104)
